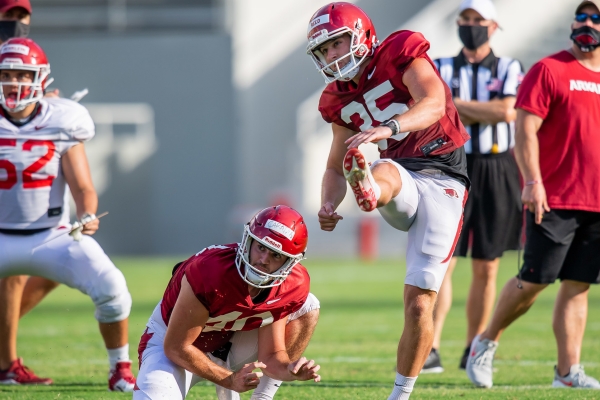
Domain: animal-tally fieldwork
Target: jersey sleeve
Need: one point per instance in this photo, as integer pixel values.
(82, 129)
(323, 106)
(408, 46)
(72, 118)
(297, 289)
(514, 77)
(535, 93)
(197, 280)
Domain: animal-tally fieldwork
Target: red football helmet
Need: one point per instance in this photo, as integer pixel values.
(23, 54)
(332, 21)
(282, 230)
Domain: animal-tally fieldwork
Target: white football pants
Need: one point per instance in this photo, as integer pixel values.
(80, 265)
(430, 208)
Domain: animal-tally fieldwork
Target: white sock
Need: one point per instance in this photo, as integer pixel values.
(402, 387)
(118, 354)
(266, 389)
(374, 185)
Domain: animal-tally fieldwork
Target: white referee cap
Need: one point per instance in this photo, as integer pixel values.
(485, 8)
(588, 3)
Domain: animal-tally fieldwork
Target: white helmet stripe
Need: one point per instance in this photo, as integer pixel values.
(320, 20)
(280, 228)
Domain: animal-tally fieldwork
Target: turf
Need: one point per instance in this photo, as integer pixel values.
(355, 341)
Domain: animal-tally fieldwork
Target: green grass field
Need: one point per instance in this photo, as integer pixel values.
(355, 341)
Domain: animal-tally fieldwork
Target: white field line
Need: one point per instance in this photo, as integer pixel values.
(386, 360)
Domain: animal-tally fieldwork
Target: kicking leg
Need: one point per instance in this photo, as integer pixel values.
(372, 187)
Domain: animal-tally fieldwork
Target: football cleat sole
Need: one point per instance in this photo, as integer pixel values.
(357, 175)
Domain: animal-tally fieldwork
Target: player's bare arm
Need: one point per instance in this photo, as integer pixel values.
(333, 188)
(527, 153)
(187, 320)
(489, 112)
(427, 90)
(272, 352)
(77, 174)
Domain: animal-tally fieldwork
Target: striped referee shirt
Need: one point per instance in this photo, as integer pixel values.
(494, 77)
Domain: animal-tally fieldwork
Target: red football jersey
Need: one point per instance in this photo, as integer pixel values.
(380, 95)
(215, 280)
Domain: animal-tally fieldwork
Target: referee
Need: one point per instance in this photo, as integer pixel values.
(484, 88)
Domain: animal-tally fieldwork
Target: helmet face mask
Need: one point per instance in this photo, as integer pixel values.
(21, 54)
(281, 230)
(27, 92)
(331, 22)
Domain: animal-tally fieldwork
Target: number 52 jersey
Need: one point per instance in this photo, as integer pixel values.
(32, 185)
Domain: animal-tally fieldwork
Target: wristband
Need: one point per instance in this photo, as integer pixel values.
(533, 182)
(87, 218)
(393, 125)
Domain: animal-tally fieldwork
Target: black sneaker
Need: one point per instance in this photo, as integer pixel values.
(433, 364)
(465, 357)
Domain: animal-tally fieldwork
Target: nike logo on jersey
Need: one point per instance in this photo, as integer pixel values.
(37, 128)
(273, 301)
(372, 72)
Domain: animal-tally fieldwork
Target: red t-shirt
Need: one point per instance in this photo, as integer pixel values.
(381, 94)
(215, 280)
(567, 96)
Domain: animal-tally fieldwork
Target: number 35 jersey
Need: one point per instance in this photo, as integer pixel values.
(381, 94)
(33, 191)
(215, 280)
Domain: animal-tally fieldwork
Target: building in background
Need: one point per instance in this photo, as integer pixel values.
(206, 110)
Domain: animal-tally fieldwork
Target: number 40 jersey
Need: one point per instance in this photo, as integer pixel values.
(32, 185)
(381, 94)
(215, 280)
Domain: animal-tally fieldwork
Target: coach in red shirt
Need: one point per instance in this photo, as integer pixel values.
(557, 149)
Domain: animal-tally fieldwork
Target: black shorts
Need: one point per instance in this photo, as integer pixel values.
(493, 213)
(566, 245)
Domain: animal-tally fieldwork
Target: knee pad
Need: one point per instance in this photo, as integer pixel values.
(112, 298)
(114, 309)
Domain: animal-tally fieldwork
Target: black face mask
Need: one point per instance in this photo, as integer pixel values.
(586, 38)
(473, 36)
(12, 29)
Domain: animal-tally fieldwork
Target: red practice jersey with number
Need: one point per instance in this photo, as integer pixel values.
(33, 191)
(215, 280)
(380, 95)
